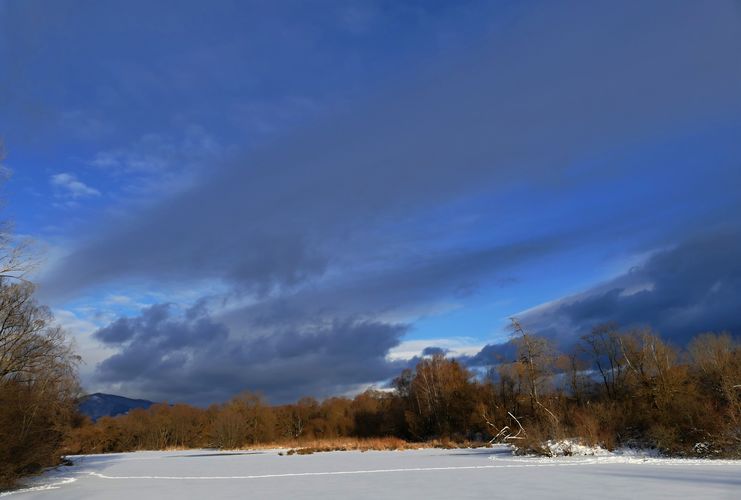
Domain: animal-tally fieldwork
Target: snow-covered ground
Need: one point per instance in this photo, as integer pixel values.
(430, 473)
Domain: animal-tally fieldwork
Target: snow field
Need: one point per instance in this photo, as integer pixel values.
(429, 473)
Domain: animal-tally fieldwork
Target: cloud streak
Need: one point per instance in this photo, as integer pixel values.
(70, 187)
(276, 217)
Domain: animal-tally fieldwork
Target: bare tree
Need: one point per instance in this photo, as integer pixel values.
(603, 346)
(537, 355)
(38, 383)
(651, 363)
(717, 358)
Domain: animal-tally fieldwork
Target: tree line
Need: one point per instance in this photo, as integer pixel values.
(614, 388)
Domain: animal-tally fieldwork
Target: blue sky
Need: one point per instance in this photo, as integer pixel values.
(299, 197)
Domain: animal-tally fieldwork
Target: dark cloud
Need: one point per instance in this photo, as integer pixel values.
(156, 327)
(680, 292)
(492, 354)
(192, 357)
(274, 344)
(401, 286)
(434, 351)
(290, 213)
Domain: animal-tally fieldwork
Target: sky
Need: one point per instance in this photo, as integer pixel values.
(304, 198)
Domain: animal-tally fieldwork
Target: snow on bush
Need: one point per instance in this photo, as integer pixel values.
(572, 447)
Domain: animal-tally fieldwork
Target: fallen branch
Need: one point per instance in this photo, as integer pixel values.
(505, 433)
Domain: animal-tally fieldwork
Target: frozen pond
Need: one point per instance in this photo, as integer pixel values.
(430, 473)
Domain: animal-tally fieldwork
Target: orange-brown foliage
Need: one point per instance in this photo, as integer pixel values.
(617, 388)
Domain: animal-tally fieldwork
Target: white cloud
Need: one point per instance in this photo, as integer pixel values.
(160, 163)
(80, 330)
(154, 154)
(119, 299)
(456, 346)
(68, 186)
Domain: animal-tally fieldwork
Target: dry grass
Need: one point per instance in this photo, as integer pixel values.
(309, 446)
(376, 444)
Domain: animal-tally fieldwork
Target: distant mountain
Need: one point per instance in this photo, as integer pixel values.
(107, 405)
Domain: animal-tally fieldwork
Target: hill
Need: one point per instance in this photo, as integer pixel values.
(108, 405)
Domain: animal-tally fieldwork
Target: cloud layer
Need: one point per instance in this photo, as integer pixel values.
(518, 108)
(451, 178)
(195, 358)
(680, 292)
